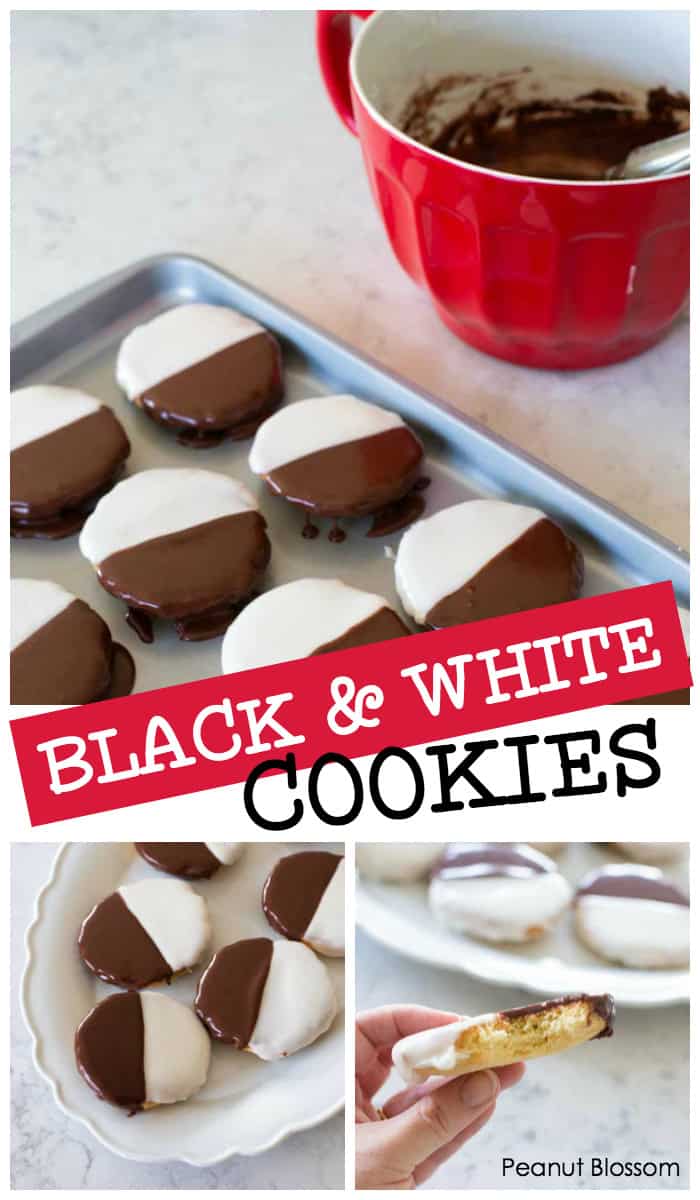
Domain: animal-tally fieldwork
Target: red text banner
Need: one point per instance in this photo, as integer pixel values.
(446, 684)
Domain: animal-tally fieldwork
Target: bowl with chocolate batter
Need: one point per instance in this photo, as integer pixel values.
(489, 139)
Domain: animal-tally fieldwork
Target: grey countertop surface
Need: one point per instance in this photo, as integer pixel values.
(52, 1151)
(624, 1098)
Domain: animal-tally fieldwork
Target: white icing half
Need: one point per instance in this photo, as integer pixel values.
(636, 933)
(226, 852)
(38, 411)
(157, 503)
(176, 1049)
(652, 852)
(396, 862)
(33, 603)
(439, 555)
(176, 340)
(174, 917)
(294, 620)
(316, 424)
(298, 1002)
(498, 908)
(433, 1050)
(326, 929)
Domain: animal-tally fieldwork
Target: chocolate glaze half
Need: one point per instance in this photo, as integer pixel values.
(382, 626)
(294, 889)
(626, 882)
(230, 991)
(540, 568)
(603, 1005)
(114, 945)
(109, 1046)
(68, 660)
(355, 478)
(464, 861)
(188, 860)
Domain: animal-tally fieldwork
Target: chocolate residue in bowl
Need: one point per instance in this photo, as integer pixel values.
(536, 134)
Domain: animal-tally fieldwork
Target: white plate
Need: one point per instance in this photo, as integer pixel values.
(246, 1105)
(398, 916)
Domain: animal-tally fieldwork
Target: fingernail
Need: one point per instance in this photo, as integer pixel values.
(479, 1089)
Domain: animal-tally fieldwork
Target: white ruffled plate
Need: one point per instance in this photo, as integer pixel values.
(398, 916)
(246, 1106)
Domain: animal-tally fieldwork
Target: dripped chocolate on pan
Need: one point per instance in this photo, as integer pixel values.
(474, 862)
(189, 860)
(603, 1005)
(540, 568)
(396, 516)
(294, 889)
(626, 883)
(209, 400)
(230, 991)
(55, 479)
(188, 574)
(115, 946)
(69, 660)
(355, 478)
(109, 1048)
(545, 138)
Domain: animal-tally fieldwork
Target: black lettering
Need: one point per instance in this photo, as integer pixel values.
(418, 781)
(526, 794)
(448, 779)
(314, 776)
(289, 767)
(582, 763)
(625, 781)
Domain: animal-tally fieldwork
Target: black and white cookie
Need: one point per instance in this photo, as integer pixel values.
(338, 456)
(484, 558)
(66, 449)
(304, 618)
(61, 651)
(202, 370)
(635, 916)
(272, 998)
(137, 1050)
(190, 860)
(498, 891)
(303, 898)
(145, 932)
(397, 862)
(185, 545)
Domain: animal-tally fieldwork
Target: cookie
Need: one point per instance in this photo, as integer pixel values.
(634, 916)
(203, 371)
(304, 618)
(272, 998)
(484, 558)
(137, 1050)
(61, 651)
(497, 891)
(190, 860)
(652, 852)
(66, 449)
(185, 545)
(338, 456)
(303, 898)
(145, 933)
(498, 1039)
(397, 862)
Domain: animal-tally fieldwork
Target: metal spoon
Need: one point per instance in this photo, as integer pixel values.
(667, 157)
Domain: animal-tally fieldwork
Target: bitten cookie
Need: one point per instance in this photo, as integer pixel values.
(183, 544)
(137, 1050)
(397, 862)
(202, 370)
(652, 852)
(338, 456)
(634, 916)
(484, 558)
(272, 998)
(61, 651)
(497, 891)
(66, 449)
(305, 618)
(190, 860)
(498, 1039)
(145, 933)
(303, 898)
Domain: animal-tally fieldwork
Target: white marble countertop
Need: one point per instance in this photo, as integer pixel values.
(625, 1098)
(51, 1151)
(141, 132)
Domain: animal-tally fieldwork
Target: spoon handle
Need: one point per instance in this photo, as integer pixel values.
(666, 157)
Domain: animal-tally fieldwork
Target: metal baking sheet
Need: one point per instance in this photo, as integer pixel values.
(74, 342)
